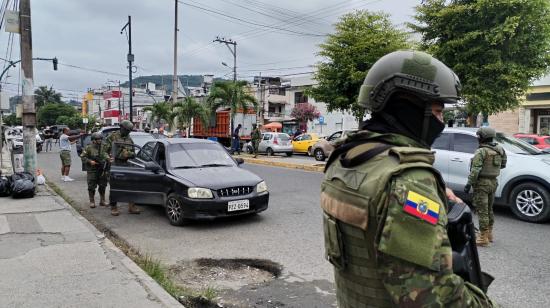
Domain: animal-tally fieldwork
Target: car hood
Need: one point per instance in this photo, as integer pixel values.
(216, 177)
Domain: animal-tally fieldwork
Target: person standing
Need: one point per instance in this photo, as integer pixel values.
(237, 140)
(384, 204)
(488, 159)
(48, 138)
(65, 142)
(256, 136)
(120, 154)
(96, 161)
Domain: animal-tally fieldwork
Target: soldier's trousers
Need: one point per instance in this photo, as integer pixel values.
(255, 145)
(484, 195)
(95, 179)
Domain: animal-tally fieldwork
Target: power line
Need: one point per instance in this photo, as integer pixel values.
(92, 70)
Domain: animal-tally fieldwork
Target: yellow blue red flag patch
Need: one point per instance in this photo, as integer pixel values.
(422, 207)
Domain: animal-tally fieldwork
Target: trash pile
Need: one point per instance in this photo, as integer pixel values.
(18, 185)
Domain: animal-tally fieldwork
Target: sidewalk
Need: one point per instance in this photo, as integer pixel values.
(285, 162)
(50, 256)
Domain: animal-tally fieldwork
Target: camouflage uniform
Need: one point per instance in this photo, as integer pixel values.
(256, 136)
(384, 205)
(97, 176)
(488, 159)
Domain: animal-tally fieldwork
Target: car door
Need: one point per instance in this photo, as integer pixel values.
(463, 149)
(132, 182)
(263, 143)
(297, 143)
(442, 149)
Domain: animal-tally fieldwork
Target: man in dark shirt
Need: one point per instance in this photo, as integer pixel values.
(236, 140)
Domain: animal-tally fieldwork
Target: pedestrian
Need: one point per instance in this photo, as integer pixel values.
(48, 139)
(147, 129)
(488, 159)
(256, 136)
(65, 142)
(297, 133)
(384, 204)
(236, 140)
(97, 162)
(120, 155)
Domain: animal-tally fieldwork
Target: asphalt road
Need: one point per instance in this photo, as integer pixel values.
(290, 233)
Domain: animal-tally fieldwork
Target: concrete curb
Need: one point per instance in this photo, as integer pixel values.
(144, 279)
(284, 164)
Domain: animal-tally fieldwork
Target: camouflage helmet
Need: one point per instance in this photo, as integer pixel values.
(486, 133)
(408, 71)
(97, 136)
(127, 125)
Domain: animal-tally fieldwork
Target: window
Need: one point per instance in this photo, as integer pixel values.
(283, 137)
(306, 137)
(299, 98)
(443, 142)
(334, 136)
(299, 138)
(198, 155)
(147, 151)
(465, 143)
(267, 136)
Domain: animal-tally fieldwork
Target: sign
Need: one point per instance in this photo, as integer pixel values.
(321, 120)
(85, 120)
(4, 101)
(12, 21)
(112, 94)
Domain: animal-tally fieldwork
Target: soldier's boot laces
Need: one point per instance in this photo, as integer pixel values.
(133, 209)
(92, 200)
(483, 240)
(102, 200)
(490, 234)
(114, 210)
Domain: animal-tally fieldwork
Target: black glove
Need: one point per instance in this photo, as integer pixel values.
(467, 188)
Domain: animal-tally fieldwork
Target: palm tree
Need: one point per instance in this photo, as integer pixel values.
(161, 111)
(233, 95)
(187, 109)
(43, 96)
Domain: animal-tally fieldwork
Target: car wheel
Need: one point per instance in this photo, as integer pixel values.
(309, 153)
(531, 202)
(319, 155)
(288, 154)
(270, 152)
(249, 150)
(174, 210)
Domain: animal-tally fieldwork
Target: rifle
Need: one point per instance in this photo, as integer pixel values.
(461, 232)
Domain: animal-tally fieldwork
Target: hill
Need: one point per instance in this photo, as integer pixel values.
(166, 80)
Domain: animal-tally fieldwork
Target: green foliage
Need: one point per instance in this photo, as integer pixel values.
(44, 96)
(304, 112)
(50, 113)
(189, 108)
(361, 38)
(73, 122)
(496, 47)
(161, 111)
(12, 120)
(231, 94)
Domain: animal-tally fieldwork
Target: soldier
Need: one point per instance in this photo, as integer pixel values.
(256, 136)
(484, 170)
(384, 204)
(96, 161)
(120, 154)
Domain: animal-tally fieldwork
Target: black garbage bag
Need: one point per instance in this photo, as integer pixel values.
(22, 188)
(22, 176)
(5, 186)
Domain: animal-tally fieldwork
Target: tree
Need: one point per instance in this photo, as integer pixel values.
(74, 121)
(361, 38)
(496, 47)
(161, 111)
(231, 94)
(187, 109)
(12, 120)
(49, 113)
(304, 112)
(43, 96)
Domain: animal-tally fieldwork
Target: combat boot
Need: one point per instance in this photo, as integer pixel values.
(102, 199)
(490, 234)
(133, 209)
(482, 240)
(92, 200)
(114, 210)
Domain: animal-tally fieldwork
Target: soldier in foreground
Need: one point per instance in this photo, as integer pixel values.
(120, 153)
(385, 210)
(488, 159)
(96, 161)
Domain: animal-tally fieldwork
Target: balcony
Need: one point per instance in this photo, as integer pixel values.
(277, 99)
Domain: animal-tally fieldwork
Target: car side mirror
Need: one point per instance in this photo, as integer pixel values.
(239, 161)
(151, 166)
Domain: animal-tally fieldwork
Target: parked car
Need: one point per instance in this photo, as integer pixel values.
(15, 139)
(271, 143)
(323, 147)
(304, 143)
(540, 142)
(524, 185)
(192, 178)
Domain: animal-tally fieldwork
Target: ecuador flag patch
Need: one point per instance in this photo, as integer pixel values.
(422, 207)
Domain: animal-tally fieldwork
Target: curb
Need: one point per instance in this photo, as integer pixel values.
(149, 284)
(284, 164)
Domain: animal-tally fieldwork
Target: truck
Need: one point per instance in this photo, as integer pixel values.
(219, 127)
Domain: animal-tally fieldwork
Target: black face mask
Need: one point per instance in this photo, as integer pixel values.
(124, 132)
(434, 130)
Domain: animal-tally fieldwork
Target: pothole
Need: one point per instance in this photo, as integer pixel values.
(204, 273)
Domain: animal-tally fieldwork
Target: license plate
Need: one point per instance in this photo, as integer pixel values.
(238, 205)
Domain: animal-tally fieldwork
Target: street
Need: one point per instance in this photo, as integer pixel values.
(290, 234)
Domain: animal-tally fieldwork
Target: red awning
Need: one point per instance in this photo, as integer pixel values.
(276, 125)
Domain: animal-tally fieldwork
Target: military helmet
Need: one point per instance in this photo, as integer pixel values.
(486, 133)
(408, 71)
(97, 136)
(127, 124)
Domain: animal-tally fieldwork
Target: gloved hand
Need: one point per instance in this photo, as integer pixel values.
(467, 188)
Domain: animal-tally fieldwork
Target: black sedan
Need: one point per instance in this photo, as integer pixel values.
(191, 178)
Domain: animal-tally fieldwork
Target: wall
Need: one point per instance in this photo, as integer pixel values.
(507, 122)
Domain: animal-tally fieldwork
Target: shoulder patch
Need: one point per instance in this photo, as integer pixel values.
(422, 207)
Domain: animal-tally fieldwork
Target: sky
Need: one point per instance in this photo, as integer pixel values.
(85, 35)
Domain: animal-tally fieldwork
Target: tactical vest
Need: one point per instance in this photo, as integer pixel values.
(491, 164)
(353, 200)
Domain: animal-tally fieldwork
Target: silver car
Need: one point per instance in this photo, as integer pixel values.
(271, 143)
(524, 184)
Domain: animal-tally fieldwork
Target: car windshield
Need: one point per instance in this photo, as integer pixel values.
(283, 137)
(516, 146)
(197, 155)
(141, 139)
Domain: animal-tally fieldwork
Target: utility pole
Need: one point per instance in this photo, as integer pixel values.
(175, 77)
(234, 53)
(29, 112)
(130, 60)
